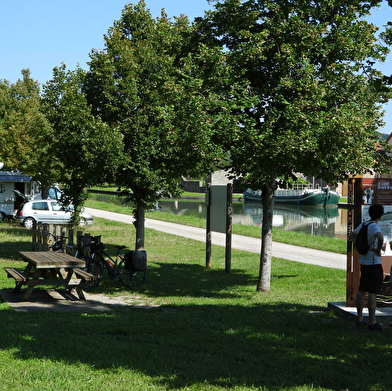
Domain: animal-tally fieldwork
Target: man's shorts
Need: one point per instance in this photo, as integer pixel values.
(371, 278)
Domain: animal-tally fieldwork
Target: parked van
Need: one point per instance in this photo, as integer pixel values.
(13, 184)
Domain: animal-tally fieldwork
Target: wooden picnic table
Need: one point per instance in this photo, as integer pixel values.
(50, 268)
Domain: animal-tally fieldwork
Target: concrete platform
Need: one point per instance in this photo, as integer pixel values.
(350, 313)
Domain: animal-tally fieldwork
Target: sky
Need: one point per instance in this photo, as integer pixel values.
(42, 34)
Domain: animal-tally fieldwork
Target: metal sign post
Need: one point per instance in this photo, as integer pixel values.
(208, 227)
(219, 219)
(229, 213)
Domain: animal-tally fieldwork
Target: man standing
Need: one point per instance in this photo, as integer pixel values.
(371, 268)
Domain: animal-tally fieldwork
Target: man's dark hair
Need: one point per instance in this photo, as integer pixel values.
(376, 211)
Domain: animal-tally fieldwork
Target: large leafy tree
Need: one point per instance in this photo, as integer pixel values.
(387, 36)
(25, 133)
(149, 84)
(315, 93)
(84, 148)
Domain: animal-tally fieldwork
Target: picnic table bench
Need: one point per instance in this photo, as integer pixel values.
(48, 268)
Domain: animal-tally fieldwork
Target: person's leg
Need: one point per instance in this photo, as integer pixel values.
(360, 304)
(372, 308)
(376, 284)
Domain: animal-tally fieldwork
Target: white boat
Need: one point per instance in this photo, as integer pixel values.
(303, 196)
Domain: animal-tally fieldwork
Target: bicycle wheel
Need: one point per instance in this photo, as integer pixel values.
(129, 278)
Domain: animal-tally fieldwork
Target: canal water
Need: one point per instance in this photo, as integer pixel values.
(312, 220)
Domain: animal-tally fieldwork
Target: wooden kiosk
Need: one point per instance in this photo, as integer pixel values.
(361, 194)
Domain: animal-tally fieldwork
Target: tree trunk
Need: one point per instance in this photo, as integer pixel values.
(268, 197)
(139, 225)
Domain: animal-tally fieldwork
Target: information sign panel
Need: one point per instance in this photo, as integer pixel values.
(218, 205)
(379, 191)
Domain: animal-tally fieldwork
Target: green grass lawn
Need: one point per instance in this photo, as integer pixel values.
(205, 329)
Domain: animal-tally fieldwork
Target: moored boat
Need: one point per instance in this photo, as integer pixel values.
(306, 196)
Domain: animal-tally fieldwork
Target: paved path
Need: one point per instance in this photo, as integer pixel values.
(279, 250)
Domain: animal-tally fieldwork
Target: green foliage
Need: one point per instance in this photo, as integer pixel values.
(153, 88)
(87, 149)
(25, 133)
(309, 69)
(314, 93)
(279, 87)
(152, 83)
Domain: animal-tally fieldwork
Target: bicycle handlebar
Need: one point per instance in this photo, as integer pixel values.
(56, 237)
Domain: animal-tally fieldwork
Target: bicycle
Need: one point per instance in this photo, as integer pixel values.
(58, 244)
(121, 268)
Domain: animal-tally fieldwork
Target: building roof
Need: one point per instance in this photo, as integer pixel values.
(388, 140)
(13, 176)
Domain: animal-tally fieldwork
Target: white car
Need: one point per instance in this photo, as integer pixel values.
(48, 211)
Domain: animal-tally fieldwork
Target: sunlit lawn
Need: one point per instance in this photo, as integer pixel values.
(205, 330)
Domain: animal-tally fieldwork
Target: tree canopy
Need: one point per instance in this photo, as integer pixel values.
(154, 89)
(87, 151)
(25, 132)
(315, 92)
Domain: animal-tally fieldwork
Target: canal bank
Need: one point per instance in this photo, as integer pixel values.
(239, 242)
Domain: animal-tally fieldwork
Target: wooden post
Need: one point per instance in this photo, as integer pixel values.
(79, 242)
(140, 213)
(350, 295)
(70, 240)
(86, 242)
(43, 239)
(229, 209)
(208, 225)
(34, 237)
(71, 237)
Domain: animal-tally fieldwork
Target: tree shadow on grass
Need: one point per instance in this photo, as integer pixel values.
(188, 280)
(249, 347)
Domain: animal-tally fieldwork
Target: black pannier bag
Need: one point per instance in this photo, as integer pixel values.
(136, 260)
(128, 260)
